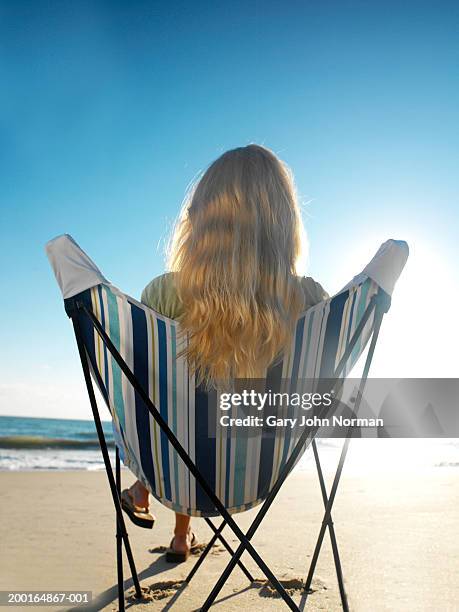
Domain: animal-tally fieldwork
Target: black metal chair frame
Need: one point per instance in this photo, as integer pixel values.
(380, 303)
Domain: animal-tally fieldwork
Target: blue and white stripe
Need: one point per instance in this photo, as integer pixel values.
(241, 470)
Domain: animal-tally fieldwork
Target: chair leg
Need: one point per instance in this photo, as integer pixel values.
(216, 536)
(244, 541)
(244, 570)
(119, 539)
(106, 458)
(331, 529)
(326, 519)
(379, 313)
(205, 552)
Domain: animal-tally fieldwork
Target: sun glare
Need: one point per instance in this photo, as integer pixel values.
(420, 334)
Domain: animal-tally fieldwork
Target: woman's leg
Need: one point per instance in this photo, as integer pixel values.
(182, 533)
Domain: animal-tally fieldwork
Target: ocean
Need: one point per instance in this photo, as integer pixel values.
(28, 443)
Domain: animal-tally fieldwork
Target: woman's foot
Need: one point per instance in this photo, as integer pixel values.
(139, 495)
(181, 547)
(134, 502)
(183, 543)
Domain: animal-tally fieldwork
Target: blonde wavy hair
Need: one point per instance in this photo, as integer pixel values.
(234, 252)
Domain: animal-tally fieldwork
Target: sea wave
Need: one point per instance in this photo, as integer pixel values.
(18, 460)
(40, 442)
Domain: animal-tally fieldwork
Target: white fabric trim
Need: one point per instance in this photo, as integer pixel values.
(385, 267)
(74, 270)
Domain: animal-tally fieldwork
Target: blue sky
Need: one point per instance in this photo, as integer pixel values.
(109, 109)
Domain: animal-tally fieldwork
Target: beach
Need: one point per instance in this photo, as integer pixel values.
(397, 534)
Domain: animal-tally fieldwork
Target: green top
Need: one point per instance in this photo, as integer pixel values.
(161, 295)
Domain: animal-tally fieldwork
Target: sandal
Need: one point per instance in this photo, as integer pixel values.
(175, 556)
(139, 516)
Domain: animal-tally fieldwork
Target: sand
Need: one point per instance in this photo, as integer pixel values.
(397, 533)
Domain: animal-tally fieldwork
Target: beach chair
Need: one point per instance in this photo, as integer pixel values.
(165, 427)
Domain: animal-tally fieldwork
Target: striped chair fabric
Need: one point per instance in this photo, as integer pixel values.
(240, 469)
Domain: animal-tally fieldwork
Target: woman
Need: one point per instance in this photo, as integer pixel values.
(233, 282)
